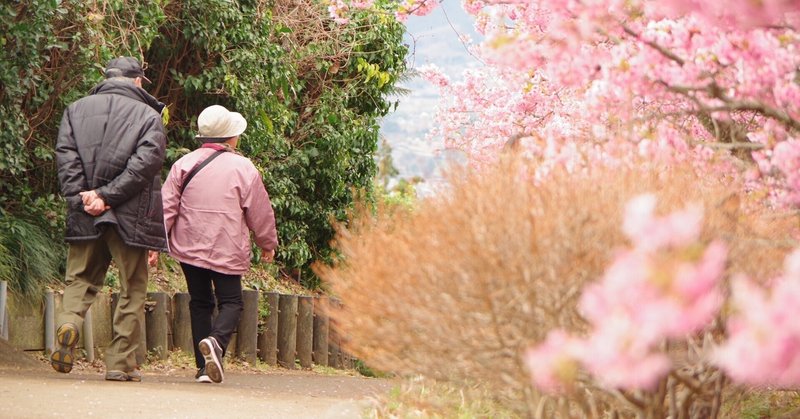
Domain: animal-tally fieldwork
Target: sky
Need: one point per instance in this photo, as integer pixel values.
(432, 39)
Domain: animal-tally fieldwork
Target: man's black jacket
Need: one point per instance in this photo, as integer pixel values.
(113, 141)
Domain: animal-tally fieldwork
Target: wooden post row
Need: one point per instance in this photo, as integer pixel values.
(296, 328)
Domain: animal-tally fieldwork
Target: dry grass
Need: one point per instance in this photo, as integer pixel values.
(417, 397)
(457, 289)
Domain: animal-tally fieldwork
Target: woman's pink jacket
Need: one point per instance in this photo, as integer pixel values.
(209, 226)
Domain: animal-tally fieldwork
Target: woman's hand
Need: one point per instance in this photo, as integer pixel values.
(267, 255)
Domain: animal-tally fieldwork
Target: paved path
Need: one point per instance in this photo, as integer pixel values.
(38, 392)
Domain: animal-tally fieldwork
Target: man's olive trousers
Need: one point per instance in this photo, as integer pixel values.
(87, 264)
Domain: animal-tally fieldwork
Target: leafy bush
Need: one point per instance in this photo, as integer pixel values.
(29, 260)
(312, 92)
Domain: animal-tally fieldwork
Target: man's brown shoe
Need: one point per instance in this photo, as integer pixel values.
(115, 375)
(64, 356)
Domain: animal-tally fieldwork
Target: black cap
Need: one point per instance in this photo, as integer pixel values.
(125, 67)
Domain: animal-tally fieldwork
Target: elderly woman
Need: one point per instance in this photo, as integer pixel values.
(213, 197)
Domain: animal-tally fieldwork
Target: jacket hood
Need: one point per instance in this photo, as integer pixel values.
(127, 89)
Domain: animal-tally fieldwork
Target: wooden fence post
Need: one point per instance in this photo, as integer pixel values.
(88, 335)
(3, 310)
(268, 338)
(141, 350)
(335, 356)
(156, 325)
(305, 330)
(247, 335)
(49, 322)
(287, 330)
(102, 328)
(321, 325)
(182, 323)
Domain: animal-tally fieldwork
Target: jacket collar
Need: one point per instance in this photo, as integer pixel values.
(220, 147)
(130, 90)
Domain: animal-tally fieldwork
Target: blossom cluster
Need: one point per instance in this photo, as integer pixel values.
(598, 82)
(664, 287)
(763, 347)
(338, 9)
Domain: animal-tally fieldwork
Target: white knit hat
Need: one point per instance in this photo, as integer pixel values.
(218, 123)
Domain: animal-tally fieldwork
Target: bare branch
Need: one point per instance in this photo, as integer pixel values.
(735, 146)
(758, 107)
(660, 48)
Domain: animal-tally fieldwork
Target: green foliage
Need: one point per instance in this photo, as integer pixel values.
(366, 371)
(7, 263)
(112, 279)
(50, 55)
(312, 92)
(263, 313)
(28, 258)
(402, 195)
(760, 403)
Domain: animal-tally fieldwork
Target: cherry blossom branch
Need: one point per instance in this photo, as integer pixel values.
(673, 399)
(716, 403)
(629, 398)
(717, 92)
(735, 146)
(664, 51)
(688, 382)
(758, 107)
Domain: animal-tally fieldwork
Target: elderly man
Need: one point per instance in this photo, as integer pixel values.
(110, 150)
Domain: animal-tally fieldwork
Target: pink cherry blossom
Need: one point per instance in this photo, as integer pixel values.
(764, 343)
(603, 82)
(650, 232)
(658, 290)
(434, 74)
(619, 358)
(574, 84)
(553, 365)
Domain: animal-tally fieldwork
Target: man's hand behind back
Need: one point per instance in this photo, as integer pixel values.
(93, 203)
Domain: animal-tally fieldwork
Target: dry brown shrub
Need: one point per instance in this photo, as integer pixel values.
(458, 288)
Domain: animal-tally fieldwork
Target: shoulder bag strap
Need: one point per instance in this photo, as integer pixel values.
(198, 167)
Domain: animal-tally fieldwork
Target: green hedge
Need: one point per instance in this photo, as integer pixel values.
(312, 92)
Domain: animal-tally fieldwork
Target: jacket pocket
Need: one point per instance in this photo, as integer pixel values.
(155, 207)
(145, 205)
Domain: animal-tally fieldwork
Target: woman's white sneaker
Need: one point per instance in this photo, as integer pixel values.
(212, 353)
(201, 376)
